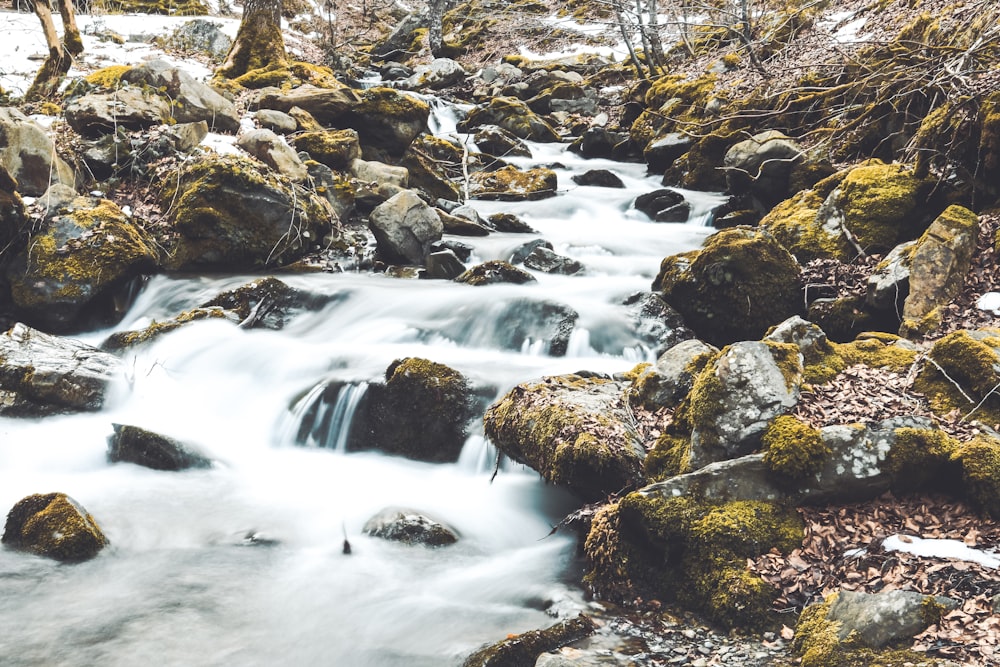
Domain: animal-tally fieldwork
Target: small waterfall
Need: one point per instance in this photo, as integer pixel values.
(323, 416)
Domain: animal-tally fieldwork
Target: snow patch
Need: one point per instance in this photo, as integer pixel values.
(940, 548)
(989, 302)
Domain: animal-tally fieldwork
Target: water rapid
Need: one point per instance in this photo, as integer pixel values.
(242, 564)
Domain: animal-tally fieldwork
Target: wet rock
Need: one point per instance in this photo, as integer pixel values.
(267, 303)
(462, 250)
(524, 649)
(513, 184)
(509, 223)
(513, 116)
(521, 252)
(190, 100)
(272, 150)
(544, 260)
(435, 167)
(29, 156)
(387, 119)
(42, 374)
(601, 178)
(939, 266)
(575, 431)
(131, 444)
(738, 285)
(404, 227)
(661, 152)
(655, 322)
(124, 340)
(495, 271)
(421, 412)
(598, 142)
(55, 526)
(499, 142)
(77, 265)
(408, 526)
(444, 265)
(664, 206)
(461, 226)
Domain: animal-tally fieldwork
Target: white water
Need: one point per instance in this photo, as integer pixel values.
(179, 587)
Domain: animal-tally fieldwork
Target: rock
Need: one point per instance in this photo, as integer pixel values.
(272, 150)
(439, 73)
(408, 526)
(404, 227)
(276, 121)
(671, 378)
(129, 108)
(434, 165)
(469, 213)
(797, 225)
(127, 155)
(230, 214)
(938, 268)
(513, 184)
(889, 285)
(387, 119)
(575, 431)
(737, 286)
(661, 152)
(597, 142)
(565, 97)
(55, 526)
(735, 398)
(521, 252)
(267, 303)
(76, 266)
(495, 271)
(511, 115)
(880, 619)
(421, 412)
(380, 173)
(761, 166)
(190, 100)
(29, 156)
(131, 444)
(14, 227)
(460, 226)
(334, 187)
(524, 649)
(509, 223)
(337, 149)
(399, 40)
(328, 106)
(42, 374)
(663, 205)
(544, 260)
(202, 36)
(969, 359)
(444, 265)
(462, 250)
(809, 338)
(498, 142)
(601, 178)
(124, 340)
(739, 479)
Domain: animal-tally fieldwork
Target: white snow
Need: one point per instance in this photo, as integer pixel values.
(940, 548)
(989, 302)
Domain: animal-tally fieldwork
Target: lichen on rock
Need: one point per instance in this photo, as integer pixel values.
(55, 526)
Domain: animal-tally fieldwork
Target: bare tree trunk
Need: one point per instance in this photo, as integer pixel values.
(435, 15)
(655, 56)
(644, 37)
(258, 42)
(627, 38)
(61, 52)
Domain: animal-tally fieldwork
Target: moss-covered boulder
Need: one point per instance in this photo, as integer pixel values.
(512, 115)
(433, 164)
(422, 412)
(979, 460)
(334, 148)
(796, 224)
(387, 119)
(76, 266)
(14, 225)
(738, 285)
(962, 372)
(575, 431)
(327, 106)
(939, 265)
(132, 444)
(694, 553)
(190, 100)
(493, 272)
(168, 7)
(407, 526)
(124, 340)
(404, 228)
(55, 526)
(513, 184)
(130, 108)
(230, 213)
(267, 303)
(762, 165)
(524, 649)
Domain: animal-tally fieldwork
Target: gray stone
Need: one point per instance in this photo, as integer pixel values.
(444, 264)
(743, 478)
(204, 36)
(131, 444)
(378, 172)
(190, 100)
(663, 151)
(408, 526)
(404, 227)
(500, 143)
(544, 260)
(328, 106)
(672, 377)
(889, 285)
(880, 619)
(128, 108)
(439, 73)
(521, 252)
(655, 322)
(272, 150)
(27, 152)
(601, 178)
(276, 121)
(761, 166)
(810, 339)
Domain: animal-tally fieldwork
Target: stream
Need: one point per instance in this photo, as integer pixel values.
(242, 564)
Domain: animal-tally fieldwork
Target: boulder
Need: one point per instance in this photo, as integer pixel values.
(55, 526)
(444, 265)
(889, 285)
(328, 106)
(576, 432)
(567, 98)
(272, 150)
(127, 155)
(512, 115)
(509, 223)
(203, 36)
(598, 142)
(128, 108)
(671, 378)
(964, 374)
(460, 226)
(525, 323)
(738, 285)
(664, 205)
(14, 226)
(495, 271)
(734, 399)
(525, 648)
(124, 340)
(29, 155)
(267, 303)
(276, 121)
(407, 526)
(544, 260)
(434, 164)
(437, 74)
(939, 266)
(422, 412)
(518, 254)
(513, 184)
(499, 143)
(661, 152)
(229, 213)
(761, 166)
(387, 119)
(370, 171)
(191, 101)
(84, 257)
(42, 374)
(601, 178)
(132, 444)
(404, 227)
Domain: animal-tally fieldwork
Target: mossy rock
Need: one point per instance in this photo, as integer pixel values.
(334, 148)
(670, 456)
(674, 103)
(231, 213)
(575, 431)
(796, 225)
(793, 450)
(433, 163)
(694, 553)
(524, 649)
(77, 265)
(124, 340)
(968, 359)
(882, 205)
(512, 115)
(979, 460)
(422, 412)
(921, 460)
(55, 526)
(878, 350)
(387, 119)
(700, 168)
(14, 225)
(737, 286)
(107, 77)
(513, 184)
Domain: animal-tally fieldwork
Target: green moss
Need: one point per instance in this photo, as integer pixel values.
(969, 359)
(794, 223)
(127, 339)
(513, 184)
(877, 350)
(880, 204)
(55, 526)
(107, 77)
(980, 463)
(793, 450)
(167, 7)
(334, 148)
(670, 455)
(525, 648)
(919, 459)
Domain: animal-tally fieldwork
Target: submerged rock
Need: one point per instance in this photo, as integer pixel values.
(523, 650)
(55, 526)
(408, 526)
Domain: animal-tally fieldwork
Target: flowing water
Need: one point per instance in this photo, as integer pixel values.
(242, 564)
